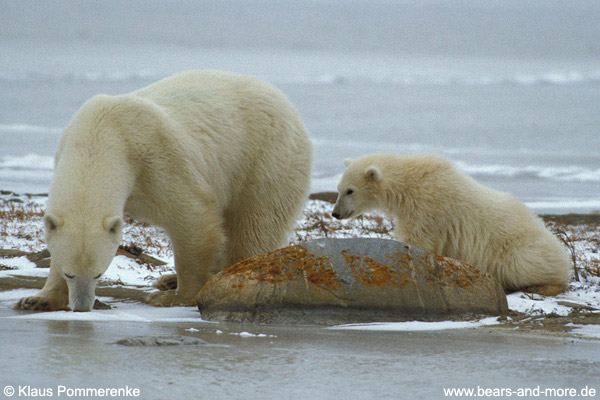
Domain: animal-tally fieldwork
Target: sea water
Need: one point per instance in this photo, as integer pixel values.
(509, 90)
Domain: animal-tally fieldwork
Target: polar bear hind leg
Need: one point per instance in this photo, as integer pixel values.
(198, 249)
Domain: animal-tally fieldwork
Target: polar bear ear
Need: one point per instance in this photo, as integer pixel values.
(348, 161)
(113, 224)
(52, 222)
(373, 173)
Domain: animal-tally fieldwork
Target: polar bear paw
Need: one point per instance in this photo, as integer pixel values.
(42, 303)
(169, 298)
(166, 282)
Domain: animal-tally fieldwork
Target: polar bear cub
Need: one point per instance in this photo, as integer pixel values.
(221, 161)
(442, 210)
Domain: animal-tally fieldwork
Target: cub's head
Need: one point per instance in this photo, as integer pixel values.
(359, 190)
(81, 250)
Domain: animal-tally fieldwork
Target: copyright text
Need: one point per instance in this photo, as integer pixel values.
(24, 391)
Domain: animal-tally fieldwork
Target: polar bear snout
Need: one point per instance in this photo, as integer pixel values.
(340, 212)
(336, 212)
(82, 293)
(339, 216)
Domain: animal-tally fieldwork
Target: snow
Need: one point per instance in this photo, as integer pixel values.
(9, 297)
(128, 271)
(585, 294)
(22, 267)
(248, 335)
(589, 331)
(534, 304)
(418, 325)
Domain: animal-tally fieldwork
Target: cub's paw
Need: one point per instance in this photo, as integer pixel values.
(168, 298)
(42, 303)
(166, 282)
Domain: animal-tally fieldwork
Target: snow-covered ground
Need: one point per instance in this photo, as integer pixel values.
(22, 229)
(418, 325)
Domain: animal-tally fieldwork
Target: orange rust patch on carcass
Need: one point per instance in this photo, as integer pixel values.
(439, 269)
(287, 264)
(445, 269)
(320, 275)
(372, 273)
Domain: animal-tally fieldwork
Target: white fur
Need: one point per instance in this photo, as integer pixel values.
(221, 161)
(442, 210)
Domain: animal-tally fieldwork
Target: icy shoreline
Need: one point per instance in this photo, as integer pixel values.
(22, 229)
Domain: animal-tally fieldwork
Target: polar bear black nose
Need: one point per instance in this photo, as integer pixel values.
(336, 215)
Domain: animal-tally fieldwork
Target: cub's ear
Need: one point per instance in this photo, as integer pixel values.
(348, 161)
(52, 222)
(373, 173)
(113, 224)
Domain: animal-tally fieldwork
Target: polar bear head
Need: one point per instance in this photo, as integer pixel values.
(394, 183)
(81, 250)
(359, 190)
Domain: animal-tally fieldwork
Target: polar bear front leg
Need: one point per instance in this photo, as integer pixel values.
(54, 295)
(195, 258)
(166, 282)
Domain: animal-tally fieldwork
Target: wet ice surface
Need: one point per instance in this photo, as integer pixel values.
(297, 362)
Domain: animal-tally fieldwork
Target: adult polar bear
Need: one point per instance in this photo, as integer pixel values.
(442, 210)
(221, 161)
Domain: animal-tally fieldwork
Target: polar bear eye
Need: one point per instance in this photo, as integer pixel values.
(349, 191)
(69, 276)
(97, 276)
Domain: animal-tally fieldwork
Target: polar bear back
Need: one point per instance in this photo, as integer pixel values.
(235, 125)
